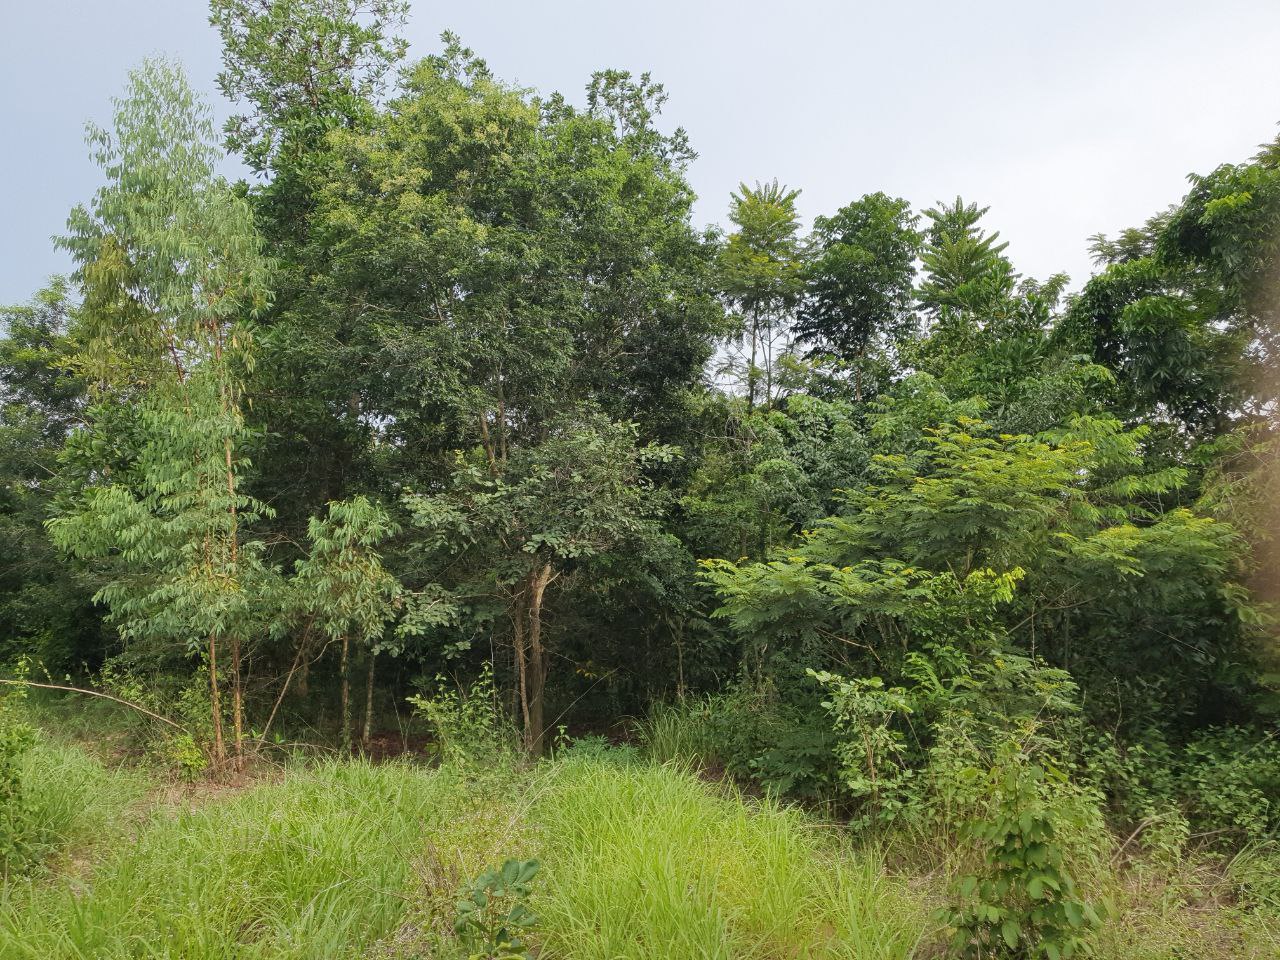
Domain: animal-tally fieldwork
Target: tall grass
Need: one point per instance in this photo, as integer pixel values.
(683, 731)
(350, 860)
(318, 867)
(647, 861)
(75, 798)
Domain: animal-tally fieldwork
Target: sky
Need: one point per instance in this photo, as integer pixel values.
(1068, 118)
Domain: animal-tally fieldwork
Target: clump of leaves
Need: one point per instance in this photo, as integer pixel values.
(1022, 902)
(493, 915)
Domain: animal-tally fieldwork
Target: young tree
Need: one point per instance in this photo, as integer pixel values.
(172, 275)
(347, 590)
(580, 493)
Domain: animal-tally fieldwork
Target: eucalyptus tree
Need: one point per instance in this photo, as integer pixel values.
(172, 273)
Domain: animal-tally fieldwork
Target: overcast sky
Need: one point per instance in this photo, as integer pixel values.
(1067, 118)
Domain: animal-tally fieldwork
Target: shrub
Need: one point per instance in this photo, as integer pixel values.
(1023, 901)
(493, 913)
(469, 727)
(17, 737)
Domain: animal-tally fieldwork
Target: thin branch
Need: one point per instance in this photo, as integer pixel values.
(95, 693)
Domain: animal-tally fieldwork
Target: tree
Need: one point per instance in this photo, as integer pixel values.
(965, 268)
(580, 493)
(859, 283)
(347, 591)
(172, 273)
(45, 606)
(761, 274)
(1104, 575)
(302, 67)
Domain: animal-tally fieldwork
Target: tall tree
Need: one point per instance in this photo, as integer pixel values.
(859, 283)
(761, 269)
(965, 268)
(172, 274)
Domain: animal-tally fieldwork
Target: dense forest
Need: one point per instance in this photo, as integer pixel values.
(447, 431)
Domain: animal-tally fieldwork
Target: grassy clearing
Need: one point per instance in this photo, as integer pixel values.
(353, 860)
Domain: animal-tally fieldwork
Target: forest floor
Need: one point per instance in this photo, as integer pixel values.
(359, 859)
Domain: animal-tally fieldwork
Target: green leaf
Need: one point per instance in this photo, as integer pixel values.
(1010, 930)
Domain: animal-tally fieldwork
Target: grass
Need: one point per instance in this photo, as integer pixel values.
(318, 866)
(76, 802)
(680, 731)
(651, 862)
(640, 860)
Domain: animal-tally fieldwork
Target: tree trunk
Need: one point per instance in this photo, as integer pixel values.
(535, 723)
(237, 696)
(346, 695)
(522, 662)
(237, 704)
(215, 701)
(367, 733)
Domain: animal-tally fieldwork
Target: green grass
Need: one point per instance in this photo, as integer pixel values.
(350, 860)
(319, 866)
(640, 860)
(76, 802)
(680, 731)
(647, 861)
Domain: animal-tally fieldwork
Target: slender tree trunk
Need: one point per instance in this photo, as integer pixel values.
(237, 703)
(215, 702)
(346, 694)
(367, 734)
(522, 664)
(535, 723)
(284, 688)
(237, 692)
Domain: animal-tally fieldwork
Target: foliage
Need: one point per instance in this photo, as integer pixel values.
(858, 290)
(302, 66)
(17, 737)
(492, 914)
(453, 386)
(469, 728)
(1024, 902)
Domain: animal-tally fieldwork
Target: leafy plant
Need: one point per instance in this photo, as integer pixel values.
(17, 737)
(1023, 901)
(493, 914)
(470, 731)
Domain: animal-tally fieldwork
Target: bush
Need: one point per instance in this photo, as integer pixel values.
(1023, 901)
(470, 729)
